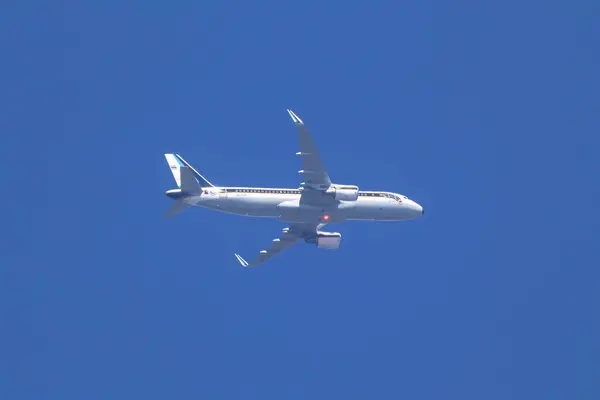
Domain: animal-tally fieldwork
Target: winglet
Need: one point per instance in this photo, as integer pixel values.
(295, 118)
(241, 260)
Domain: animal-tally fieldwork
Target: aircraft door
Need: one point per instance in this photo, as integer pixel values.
(223, 201)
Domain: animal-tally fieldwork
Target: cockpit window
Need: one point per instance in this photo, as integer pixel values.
(393, 196)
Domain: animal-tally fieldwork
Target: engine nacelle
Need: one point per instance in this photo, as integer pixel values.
(344, 192)
(329, 240)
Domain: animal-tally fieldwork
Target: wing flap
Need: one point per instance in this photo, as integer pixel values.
(315, 174)
(176, 208)
(291, 235)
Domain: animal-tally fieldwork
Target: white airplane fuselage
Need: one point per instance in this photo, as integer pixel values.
(317, 202)
(285, 204)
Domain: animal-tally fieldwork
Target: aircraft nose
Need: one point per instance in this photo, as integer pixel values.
(417, 208)
(420, 208)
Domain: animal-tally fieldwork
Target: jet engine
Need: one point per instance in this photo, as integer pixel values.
(344, 192)
(328, 240)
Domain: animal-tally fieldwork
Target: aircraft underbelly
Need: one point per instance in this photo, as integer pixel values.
(292, 211)
(252, 206)
(372, 210)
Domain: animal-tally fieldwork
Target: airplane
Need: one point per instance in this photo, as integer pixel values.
(307, 209)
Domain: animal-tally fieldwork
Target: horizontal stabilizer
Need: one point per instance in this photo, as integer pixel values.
(176, 208)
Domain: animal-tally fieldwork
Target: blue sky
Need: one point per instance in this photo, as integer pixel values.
(484, 112)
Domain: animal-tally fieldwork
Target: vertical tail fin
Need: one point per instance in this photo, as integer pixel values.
(177, 164)
(189, 184)
(201, 180)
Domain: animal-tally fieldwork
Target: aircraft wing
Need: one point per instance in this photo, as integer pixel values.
(291, 235)
(313, 169)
